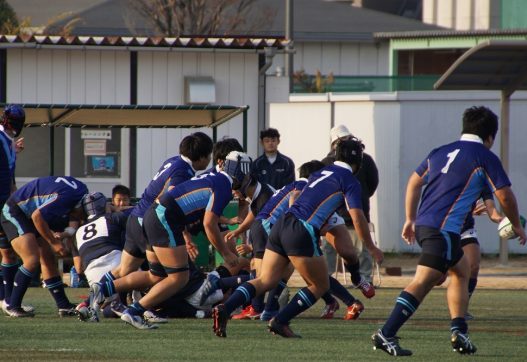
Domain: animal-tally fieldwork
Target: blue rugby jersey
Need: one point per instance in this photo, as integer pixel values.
(100, 236)
(325, 192)
(455, 176)
(7, 165)
(279, 202)
(174, 171)
(53, 196)
(207, 192)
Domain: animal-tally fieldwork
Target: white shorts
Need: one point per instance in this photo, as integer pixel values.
(470, 233)
(334, 220)
(102, 265)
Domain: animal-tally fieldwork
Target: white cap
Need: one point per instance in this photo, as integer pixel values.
(339, 132)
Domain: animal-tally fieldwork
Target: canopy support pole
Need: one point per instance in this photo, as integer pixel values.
(504, 155)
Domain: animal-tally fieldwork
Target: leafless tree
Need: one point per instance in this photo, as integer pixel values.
(196, 17)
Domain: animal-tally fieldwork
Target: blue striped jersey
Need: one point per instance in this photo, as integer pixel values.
(7, 165)
(174, 171)
(455, 175)
(278, 204)
(55, 197)
(207, 192)
(326, 191)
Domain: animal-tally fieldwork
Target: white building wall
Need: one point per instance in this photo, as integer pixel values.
(399, 130)
(463, 14)
(161, 81)
(72, 76)
(339, 58)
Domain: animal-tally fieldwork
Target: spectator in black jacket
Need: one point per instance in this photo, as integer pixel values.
(272, 167)
(368, 177)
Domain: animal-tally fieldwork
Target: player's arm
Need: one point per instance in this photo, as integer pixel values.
(43, 229)
(492, 211)
(361, 227)
(509, 206)
(192, 248)
(294, 195)
(244, 226)
(212, 230)
(413, 195)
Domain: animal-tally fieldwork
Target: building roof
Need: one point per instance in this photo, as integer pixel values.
(447, 33)
(340, 21)
(38, 41)
(40, 16)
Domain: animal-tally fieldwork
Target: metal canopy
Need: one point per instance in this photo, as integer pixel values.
(492, 65)
(103, 116)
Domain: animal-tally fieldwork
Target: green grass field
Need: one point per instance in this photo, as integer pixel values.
(499, 332)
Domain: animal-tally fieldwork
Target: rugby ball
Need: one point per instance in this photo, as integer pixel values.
(505, 230)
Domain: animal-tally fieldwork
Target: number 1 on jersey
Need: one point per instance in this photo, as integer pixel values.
(451, 157)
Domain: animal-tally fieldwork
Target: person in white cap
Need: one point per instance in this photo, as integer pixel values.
(368, 176)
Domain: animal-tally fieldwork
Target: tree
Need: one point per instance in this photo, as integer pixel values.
(8, 19)
(196, 17)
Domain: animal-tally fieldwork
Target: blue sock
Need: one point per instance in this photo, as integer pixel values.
(233, 282)
(21, 283)
(272, 297)
(2, 290)
(258, 303)
(107, 277)
(136, 309)
(459, 324)
(405, 306)
(340, 292)
(354, 271)
(56, 288)
(328, 298)
(108, 288)
(472, 282)
(10, 271)
(302, 300)
(243, 294)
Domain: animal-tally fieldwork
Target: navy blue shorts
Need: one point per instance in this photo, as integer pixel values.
(440, 250)
(15, 222)
(4, 243)
(258, 237)
(136, 242)
(293, 237)
(162, 227)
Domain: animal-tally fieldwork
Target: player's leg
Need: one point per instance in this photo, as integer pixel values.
(457, 297)
(431, 268)
(10, 264)
(472, 252)
(340, 237)
(273, 265)
(53, 281)
(27, 248)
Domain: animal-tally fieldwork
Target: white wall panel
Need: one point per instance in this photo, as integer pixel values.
(72, 76)
(399, 130)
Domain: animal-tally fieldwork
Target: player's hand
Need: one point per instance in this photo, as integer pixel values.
(58, 247)
(521, 234)
(192, 250)
(408, 233)
(19, 145)
(480, 208)
(243, 249)
(377, 255)
(230, 236)
(230, 259)
(235, 220)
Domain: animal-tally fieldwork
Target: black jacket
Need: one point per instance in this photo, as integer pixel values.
(278, 174)
(368, 177)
